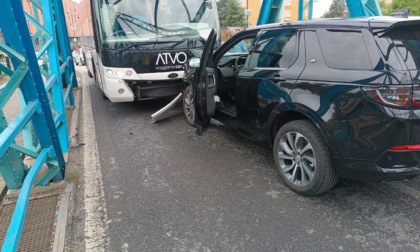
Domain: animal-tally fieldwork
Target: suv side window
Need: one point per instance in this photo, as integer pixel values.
(344, 49)
(275, 49)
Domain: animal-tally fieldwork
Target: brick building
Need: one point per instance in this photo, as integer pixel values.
(79, 22)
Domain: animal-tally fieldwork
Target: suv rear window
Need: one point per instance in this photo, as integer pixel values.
(344, 49)
(407, 40)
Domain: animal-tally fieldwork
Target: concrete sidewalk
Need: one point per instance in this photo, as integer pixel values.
(46, 220)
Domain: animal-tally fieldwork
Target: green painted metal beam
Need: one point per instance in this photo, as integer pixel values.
(12, 168)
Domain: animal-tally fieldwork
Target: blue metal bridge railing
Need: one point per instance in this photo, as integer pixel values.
(270, 9)
(44, 79)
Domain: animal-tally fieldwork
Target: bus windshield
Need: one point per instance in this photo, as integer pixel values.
(151, 21)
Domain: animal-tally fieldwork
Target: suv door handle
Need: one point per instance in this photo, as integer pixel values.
(277, 78)
(211, 78)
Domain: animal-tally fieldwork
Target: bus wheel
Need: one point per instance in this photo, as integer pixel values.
(103, 93)
(188, 105)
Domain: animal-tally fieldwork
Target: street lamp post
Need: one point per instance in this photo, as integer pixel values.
(247, 14)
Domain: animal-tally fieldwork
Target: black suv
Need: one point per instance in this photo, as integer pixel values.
(334, 98)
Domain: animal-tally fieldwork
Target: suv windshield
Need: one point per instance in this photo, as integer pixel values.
(407, 40)
(156, 20)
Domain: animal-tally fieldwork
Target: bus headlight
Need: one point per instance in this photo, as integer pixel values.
(119, 73)
(121, 91)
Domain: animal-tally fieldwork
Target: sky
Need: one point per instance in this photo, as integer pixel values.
(320, 7)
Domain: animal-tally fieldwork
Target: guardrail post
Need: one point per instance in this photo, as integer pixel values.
(65, 46)
(57, 86)
(270, 11)
(361, 8)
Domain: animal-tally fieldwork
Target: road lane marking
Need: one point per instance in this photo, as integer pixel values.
(96, 219)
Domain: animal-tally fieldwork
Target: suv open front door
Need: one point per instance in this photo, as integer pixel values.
(204, 86)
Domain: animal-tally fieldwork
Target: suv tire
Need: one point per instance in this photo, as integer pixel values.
(303, 158)
(188, 105)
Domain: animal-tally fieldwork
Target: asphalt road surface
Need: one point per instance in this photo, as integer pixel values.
(162, 188)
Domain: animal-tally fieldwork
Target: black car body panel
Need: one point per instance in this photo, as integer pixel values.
(341, 91)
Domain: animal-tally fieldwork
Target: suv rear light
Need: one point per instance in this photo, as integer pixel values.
(405, 147)
(399, 97)
(415, 100)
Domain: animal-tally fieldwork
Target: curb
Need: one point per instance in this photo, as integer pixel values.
(61, 223)
(67, 195)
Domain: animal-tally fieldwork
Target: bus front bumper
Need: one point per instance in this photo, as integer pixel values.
(117, 90)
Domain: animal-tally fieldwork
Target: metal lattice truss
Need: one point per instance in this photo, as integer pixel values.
(270, 9)
(36, 42)
(363, 8)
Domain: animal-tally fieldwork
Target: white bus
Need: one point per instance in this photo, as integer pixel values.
(141, 46)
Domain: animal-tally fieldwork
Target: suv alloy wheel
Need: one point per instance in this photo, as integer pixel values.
(303, 158)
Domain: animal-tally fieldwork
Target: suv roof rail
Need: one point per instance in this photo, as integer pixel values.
(401, 13)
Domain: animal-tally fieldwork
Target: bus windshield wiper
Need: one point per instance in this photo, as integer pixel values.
(150, 27)
(123, 48)
(137, 22)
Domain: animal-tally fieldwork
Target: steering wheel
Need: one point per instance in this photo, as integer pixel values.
(238, 66)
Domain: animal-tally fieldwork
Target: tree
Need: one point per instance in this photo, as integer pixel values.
(221, 9)
(337, 8)
(231, 13)
(414, 6)
(385, 7)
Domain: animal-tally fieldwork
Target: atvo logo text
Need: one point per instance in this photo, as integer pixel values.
(168, 58)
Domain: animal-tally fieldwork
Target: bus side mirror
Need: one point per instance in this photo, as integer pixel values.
(194, 63)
